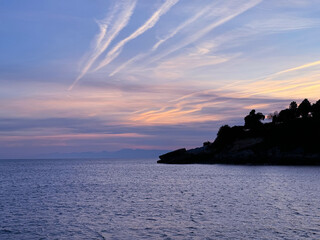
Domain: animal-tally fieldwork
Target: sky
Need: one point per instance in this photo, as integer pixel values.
(105, 75)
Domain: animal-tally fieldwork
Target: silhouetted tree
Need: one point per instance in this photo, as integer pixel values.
(285, 115)
(315, 110)
(273, 116)
(288, 114)
(223, 136)
(293, 106)
(224, 130)
(304, 108)
(253, 120)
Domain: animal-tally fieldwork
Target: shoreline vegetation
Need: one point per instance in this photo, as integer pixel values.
(292, 137)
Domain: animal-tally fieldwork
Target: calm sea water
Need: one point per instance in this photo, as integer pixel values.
(109, 199)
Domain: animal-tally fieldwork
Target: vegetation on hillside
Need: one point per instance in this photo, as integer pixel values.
(290, 137)
(296, 126)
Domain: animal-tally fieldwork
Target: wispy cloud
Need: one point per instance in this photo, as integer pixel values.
(225, 13)
(186, 23)
(127, 63)
(273, 76)
(204, 106)
(280, 23)
(230, 14)
(298, 86)
(175, 31)
(72, 136)
(118, 19)
(307, 65)
(183, 65)
(151, 22)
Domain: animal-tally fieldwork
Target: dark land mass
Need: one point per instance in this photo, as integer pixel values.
(291, 138)
(121, 154)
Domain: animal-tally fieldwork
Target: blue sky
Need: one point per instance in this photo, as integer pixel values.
(105, 75)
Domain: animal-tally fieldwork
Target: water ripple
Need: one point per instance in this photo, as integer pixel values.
(105, 199)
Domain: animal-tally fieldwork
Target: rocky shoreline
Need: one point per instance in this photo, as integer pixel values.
(245, 156)
(292, 138)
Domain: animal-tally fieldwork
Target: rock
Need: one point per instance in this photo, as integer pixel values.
(245, 143)
(179, 156)
(285, 141)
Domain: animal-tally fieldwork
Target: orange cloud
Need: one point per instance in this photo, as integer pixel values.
(72, 136)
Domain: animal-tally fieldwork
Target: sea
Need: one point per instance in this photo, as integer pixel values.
(139, 199)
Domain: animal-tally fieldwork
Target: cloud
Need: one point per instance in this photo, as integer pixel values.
(85, 136)
(130, 61)
(271, 25)
(281, 23)
(205, 106)
(236, 37)
(118, 19)
(282, 83)
(298, 86)
(307, 65)
(150, 23)
(230, 13)
(182, 65)
(227, 13)
(175, 31)
(186, 23)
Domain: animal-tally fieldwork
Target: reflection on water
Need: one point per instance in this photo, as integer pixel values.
(108, 199)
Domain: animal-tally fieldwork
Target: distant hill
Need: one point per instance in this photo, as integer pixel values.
(121, 154)
(292, 138)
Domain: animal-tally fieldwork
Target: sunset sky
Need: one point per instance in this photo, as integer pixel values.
(104, 75)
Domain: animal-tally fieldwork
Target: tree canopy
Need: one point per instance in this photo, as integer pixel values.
(304, 108)
(253, 120)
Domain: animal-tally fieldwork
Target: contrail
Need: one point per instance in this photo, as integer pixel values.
(181, 26)
(209, 28)
(307, 65)
(113, 53)
(161, 41)
(191, 38)
(102, 40)
(273, 75)
(134, 59)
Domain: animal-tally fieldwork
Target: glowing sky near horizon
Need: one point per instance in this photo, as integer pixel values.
(93, 75)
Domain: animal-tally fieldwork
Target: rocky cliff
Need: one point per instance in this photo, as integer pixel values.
(292, 138)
